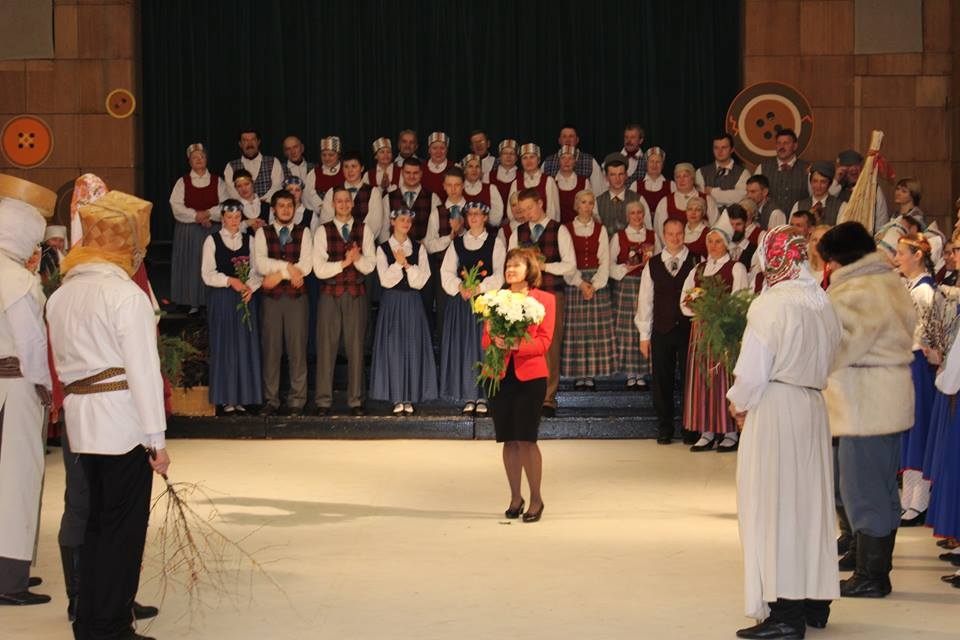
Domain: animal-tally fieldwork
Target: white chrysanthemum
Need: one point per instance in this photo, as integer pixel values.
(533, 310)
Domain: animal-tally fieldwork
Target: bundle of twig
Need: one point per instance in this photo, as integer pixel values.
(863, 201)
(195, 555)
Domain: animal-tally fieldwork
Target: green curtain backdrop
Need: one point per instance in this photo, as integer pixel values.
(367, 68)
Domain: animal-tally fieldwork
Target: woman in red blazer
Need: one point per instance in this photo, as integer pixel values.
(516, 406)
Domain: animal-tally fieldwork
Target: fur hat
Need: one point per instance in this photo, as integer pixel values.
(846, 243)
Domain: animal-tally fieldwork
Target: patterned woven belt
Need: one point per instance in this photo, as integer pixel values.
(95, 384)
(10, 367)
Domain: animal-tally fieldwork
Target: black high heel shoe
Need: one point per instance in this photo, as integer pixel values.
(513, 514)
(533, 517)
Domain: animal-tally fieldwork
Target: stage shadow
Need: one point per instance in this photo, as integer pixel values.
(294, 513)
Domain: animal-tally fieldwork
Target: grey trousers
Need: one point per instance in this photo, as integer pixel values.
(76, 499)
(284, 324)
(344, 316)
(868, 482)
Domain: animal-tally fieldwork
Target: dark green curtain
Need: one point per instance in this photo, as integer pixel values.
(365, 68)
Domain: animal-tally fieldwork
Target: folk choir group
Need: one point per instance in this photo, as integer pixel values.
(840, 404)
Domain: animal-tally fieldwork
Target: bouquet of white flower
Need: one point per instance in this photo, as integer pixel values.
(509, 315)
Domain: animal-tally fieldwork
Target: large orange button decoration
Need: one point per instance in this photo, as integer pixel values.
(760, 111)
(26, 141)
(121, 103)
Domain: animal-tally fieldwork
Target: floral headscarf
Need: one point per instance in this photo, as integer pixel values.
(87, 188)
(784, 254)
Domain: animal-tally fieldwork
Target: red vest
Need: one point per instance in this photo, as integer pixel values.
(323, 182)
(541, 187)
(503, 187)
(443, 220)
(201, 199)
(433, 182)
(349, 280)
(637, 249)
(394, 177)
(676, 213)
(483, 196)
(421, 207)
(289, 252)
(567, 210)
(653, 198)
(699, 246)
(586, 247)
(725, 273)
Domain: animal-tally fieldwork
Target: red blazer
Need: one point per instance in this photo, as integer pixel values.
(529, 358)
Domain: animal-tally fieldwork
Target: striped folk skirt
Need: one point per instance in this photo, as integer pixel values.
(403, 367)
(587, 333)
(234, 350)
(626, 336)
(186, 285)
(705, 406)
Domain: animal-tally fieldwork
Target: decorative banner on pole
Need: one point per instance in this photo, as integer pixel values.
(760, 111)
(121, 103)
(26, 141)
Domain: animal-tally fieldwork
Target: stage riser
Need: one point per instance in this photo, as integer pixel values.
(406, 428)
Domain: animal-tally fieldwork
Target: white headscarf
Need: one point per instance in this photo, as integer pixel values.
(21, 229)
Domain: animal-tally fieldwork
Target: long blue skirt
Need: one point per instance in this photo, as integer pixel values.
(403, 367)
(943, 514)
(941, 416)
(234, 350)
(914, 442)
(186, 285)
(460, 350)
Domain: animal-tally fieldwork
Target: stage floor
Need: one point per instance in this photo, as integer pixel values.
(406, 539)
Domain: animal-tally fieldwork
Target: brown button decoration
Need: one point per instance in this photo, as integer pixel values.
(26, 141)
(759, 112)
(121, 103)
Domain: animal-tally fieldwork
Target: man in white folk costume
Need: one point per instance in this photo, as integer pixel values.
(24, 384)
(104, 341)
(784, 469)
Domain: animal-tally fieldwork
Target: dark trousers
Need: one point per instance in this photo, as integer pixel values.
(434, 297)
(668, 356)
(14, 575)
(113, 547)
(76, 499)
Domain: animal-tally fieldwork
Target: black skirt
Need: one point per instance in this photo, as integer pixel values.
(516, 407)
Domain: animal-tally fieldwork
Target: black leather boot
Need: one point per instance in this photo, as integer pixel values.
(70, 557)
(871, 578)
(816, 613)
(785, 621)
(846, 533)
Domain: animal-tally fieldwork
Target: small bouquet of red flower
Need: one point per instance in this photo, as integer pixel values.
(472, 278)
(241, 266)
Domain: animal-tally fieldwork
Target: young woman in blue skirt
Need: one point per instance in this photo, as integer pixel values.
(403, 370)
(913, 261)
(234, 341)
(479, 246)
